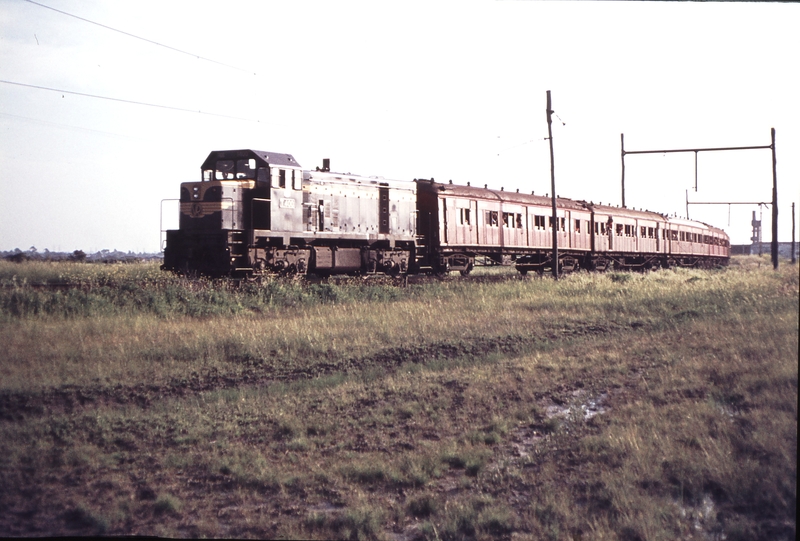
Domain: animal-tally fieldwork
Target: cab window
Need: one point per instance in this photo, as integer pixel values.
(279, 178)
(225, 170)
(246, 168)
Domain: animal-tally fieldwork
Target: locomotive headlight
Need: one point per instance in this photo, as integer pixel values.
(196, 193)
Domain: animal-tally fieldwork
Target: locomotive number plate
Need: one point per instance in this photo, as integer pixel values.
(286, 203)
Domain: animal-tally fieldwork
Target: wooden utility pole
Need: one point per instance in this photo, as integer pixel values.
(553, 187)
(794, 257)
(774, 205)
(622, 146)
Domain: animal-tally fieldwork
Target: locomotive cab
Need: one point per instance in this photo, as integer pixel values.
(241, 196)
(253, 186)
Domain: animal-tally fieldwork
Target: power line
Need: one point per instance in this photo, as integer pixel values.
(125, 101)
(66, 126)
(138, 37)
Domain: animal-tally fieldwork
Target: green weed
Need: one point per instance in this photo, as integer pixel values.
(140, 402)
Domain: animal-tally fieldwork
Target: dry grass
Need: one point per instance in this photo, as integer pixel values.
(616, 406)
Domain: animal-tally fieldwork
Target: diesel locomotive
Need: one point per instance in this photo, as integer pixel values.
(256, 212)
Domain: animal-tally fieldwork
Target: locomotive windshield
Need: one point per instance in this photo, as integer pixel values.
(224, 170)
(232, 170)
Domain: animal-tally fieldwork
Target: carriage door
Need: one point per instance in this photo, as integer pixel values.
(443, 225)
(383, 210)
(563, 228)
(466, 228)
(658, 237)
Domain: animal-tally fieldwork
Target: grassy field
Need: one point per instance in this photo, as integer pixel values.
(653, 406)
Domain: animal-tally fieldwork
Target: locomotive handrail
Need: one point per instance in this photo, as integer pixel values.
(161, 239)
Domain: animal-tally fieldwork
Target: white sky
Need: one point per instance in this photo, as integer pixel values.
(451, 90)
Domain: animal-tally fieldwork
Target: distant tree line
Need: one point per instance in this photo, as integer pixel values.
(103, 256)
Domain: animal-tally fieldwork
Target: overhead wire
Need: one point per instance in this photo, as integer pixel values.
(65, 126)
(134, 102)
(138, 37)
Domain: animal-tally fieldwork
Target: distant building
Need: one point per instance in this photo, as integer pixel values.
(764, 248)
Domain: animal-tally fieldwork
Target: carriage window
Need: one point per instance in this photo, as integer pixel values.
(538, 222)
(619, 229)
(577, 226)
(464, 216)
(512, 220)
(491, 218)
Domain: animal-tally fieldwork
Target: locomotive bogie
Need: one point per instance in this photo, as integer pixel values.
(291, 260)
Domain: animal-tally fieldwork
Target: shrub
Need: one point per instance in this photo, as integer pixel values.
(167, 504)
